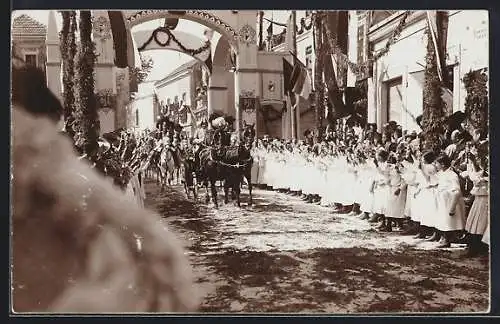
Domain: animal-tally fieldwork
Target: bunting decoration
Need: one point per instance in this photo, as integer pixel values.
(363, 68)
(171, 37)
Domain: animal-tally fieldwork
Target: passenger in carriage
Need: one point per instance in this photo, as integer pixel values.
(200, 139)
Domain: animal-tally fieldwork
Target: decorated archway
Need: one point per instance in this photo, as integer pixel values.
(222, 21)
(234, 52)
(165, 39)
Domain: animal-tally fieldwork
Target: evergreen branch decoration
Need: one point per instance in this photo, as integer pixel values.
(394, 36)
(171, 36)
(86, 117)
(433, 117)
(476, 102)
(68, 52)
(141, 73)
(303, 26)
(319, 86)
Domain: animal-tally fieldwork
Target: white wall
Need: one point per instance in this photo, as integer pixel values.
(468, 44)
(146, 113)
(176, 88)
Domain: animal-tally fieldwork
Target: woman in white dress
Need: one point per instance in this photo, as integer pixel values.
(281, 174)
(425, 203)
(350, 187)
(330, 193)
(477, 225)
(450, 202)
(323, 169)
(409, 174)
(381, 189)
(367, 175)
(396, 198)
(359, 193)
(263, 165)
(256, 163)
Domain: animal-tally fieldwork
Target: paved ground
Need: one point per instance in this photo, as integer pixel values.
(283, 255)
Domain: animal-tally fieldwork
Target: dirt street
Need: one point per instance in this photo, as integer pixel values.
(283, 255)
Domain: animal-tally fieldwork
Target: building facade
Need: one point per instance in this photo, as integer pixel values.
(395, 90)
(182, 95)
(395, 81)
(29, 40)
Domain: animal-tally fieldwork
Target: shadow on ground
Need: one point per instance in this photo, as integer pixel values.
(333, 280)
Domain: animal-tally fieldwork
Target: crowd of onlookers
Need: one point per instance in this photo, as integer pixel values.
(387, 178)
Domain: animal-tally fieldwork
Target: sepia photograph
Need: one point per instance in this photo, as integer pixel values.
(250, 161)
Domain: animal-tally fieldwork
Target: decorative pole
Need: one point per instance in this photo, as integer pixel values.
(433, 108)
(87, 119)
(68, 52)
(319, 86)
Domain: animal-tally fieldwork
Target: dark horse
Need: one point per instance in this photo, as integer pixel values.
(188, 169)
(248, 137)
(227, 164)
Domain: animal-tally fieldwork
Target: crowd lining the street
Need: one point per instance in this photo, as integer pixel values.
(387, 178)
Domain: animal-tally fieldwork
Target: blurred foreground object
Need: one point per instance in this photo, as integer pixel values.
(74, 236)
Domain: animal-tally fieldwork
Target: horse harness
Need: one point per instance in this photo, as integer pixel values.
(238, 165)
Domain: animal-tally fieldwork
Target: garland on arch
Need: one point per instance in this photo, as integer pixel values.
(171, 37)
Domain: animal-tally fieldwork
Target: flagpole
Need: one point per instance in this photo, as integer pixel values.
(431, 20)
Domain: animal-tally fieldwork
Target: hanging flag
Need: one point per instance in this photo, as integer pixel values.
(287, 76)
(335, 97)
(306, 88)
(432, 23)
(290, 75)
(300, 81)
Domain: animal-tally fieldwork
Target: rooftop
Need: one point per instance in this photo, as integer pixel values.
(25, 25)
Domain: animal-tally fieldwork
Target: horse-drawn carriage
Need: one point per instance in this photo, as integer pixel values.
(208, 160)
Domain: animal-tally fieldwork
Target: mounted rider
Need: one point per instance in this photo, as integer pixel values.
(200, 140)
